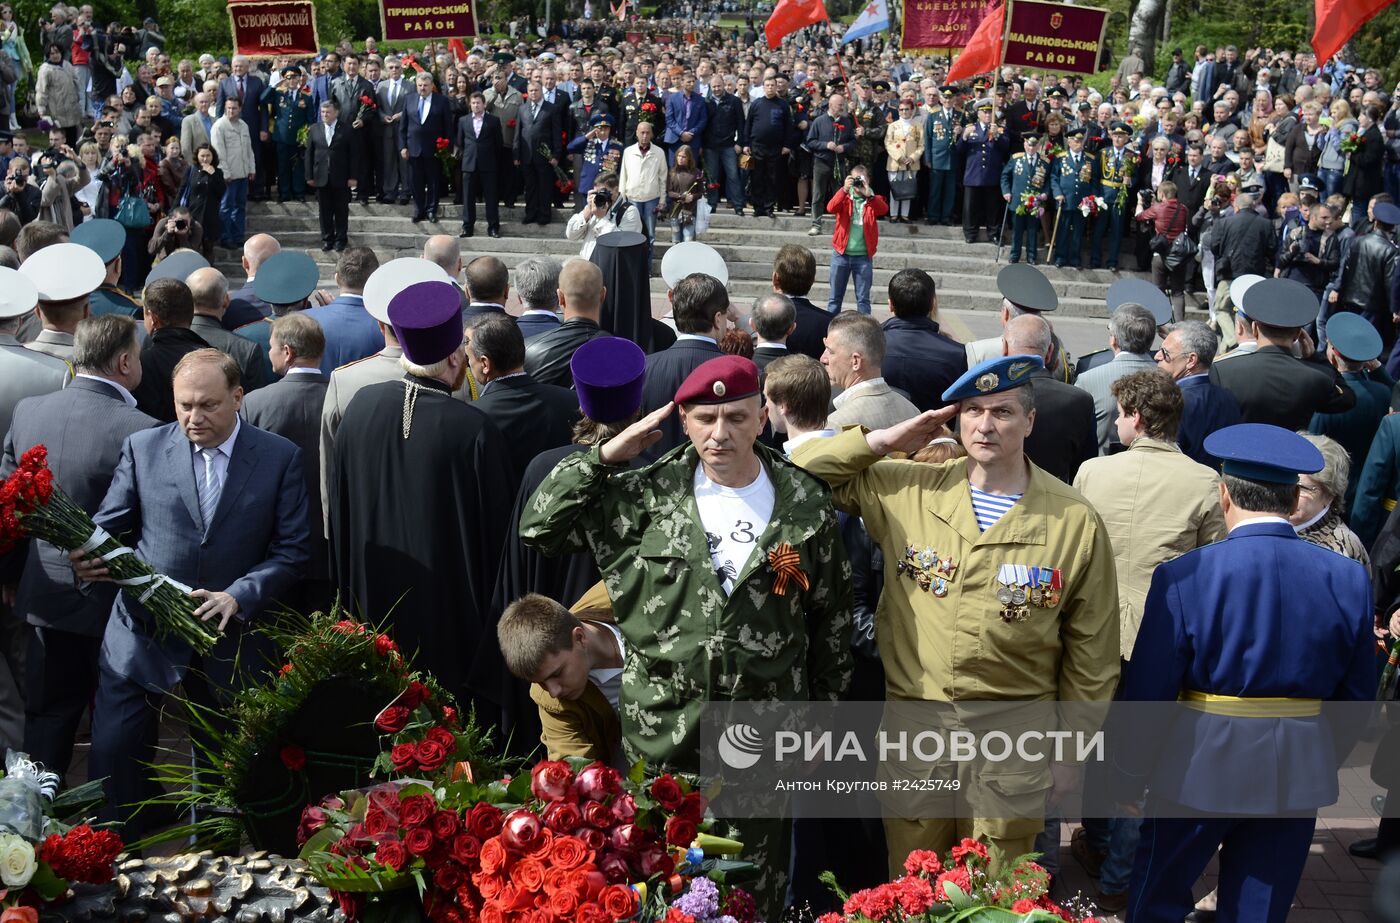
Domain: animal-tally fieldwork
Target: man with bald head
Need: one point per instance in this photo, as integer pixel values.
(244, 306)
(1064, 435)
(211, 302)
(548, 356)
(488, 286)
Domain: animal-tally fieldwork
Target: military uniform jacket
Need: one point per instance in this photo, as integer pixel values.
(288, 112)
(940, 136)
(984, 156)
(686, 642)
(1023, 174)
(870, 145)
(1116, 175)
(1274, 386)
(1075, 177)
(958, 646)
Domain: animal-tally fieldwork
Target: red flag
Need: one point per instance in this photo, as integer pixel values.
(459, 51)
(983, 51)
(1337, 22)
(791, 15)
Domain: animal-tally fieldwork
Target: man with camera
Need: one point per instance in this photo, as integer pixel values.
(602, 213)
(20, 196)
(176, 231)
(856, 208)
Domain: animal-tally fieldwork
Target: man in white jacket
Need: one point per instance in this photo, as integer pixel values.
(233, 143)
(602, 214)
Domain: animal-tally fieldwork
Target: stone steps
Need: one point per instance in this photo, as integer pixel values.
(965, 273)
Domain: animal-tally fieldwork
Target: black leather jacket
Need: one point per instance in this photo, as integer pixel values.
(548, 355)
(1366, 274)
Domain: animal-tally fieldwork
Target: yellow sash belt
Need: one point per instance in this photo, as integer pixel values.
(1262, 707)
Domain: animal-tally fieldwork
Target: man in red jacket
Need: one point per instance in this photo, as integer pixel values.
(856, 208)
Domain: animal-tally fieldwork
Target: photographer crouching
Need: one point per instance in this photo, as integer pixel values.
(603, 212)
(176, 231)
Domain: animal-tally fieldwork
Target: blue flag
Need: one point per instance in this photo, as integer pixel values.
(874, 18)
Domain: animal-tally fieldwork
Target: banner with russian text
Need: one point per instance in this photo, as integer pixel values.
(414, 19)
(1058, 37)
(273, 28)
(941, 24)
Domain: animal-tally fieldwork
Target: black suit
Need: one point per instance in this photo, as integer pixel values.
(348, 93)
(1273, 386)
(419, 137)
(1188, 193)
(666, 371)
(532, 416)
(161, 352)
(328, 168)
(763, 355)
(480, 167)
(809, 338)
(534, 131)
(1065, 432)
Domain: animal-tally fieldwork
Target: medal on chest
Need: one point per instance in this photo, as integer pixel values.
(931, 572)
(1021, 587)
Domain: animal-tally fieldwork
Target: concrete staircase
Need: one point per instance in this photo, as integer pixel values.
(965, 273)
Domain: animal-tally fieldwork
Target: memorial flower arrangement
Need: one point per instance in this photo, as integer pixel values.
(1091, 205)
(1032, 204)
(33, 506)
(650, 112)
(960, 885)
(40, 854)
(570, 840)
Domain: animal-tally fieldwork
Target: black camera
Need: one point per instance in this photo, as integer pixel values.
(602, 198)
(181, 224)
(857, 181)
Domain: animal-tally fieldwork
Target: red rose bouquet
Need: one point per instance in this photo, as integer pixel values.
(443, 151)
(561, 179)
(650, 112)
(1351, 142)
(33, 506)
(959, 886)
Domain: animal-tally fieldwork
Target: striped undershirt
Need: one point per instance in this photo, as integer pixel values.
(989, 508)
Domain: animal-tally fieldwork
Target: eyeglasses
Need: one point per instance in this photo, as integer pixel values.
(1163, 355)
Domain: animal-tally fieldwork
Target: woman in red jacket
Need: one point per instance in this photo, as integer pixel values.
(853, 248)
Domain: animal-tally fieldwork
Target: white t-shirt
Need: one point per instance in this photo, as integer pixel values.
(609, 679)
(733, 519)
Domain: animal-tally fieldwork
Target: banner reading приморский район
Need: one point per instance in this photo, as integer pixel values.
(413, 19)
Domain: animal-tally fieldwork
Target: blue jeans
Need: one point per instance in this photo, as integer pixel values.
(843, 268)
(1331, 181)
(680, 232)
(1117, 838)
(722, 166)
(647, 211)
(232, 210)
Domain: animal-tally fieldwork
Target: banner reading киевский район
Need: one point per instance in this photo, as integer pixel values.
(414, 19)
(941, 24)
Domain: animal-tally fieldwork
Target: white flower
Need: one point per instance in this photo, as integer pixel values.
(17, 862)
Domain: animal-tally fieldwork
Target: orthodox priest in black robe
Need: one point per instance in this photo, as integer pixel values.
(420, 501)
(607, 373)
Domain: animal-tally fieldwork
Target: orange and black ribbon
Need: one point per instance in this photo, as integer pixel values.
(783, 560)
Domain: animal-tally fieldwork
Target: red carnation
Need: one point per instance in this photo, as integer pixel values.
(967, 848)
(923, 862)
(384, 645)
(449, 715)
(392, 719)
(959, 876)
(293, 757)
(510, 123)
(442, 144)
(83, 854)
(391, 854)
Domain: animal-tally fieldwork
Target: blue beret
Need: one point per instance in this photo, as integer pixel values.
(287, 277)
(1280, 303)
(427, 320)
(1263, 452)
(1027, 288)
(102, 236)
(178, 265)
(1130, 290)
(1000, 374)
(608, 373)
(1354, 337)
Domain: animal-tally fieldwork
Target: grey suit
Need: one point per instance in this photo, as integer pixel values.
(291, 408)
(393, 172)
(1099, 381)
(872, 404)
(84, 427)
(26, 373)
(53, 343)
(244, 351)
(192, 135)
(253, 548)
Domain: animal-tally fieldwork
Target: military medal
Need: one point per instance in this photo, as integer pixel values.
(926, 569)
(1056, 583)
(1006, 576)
(1019, 594)
(1037, 597)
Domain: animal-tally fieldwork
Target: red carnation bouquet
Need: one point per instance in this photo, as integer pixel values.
(33, 506)
(959, 886)
(443, 151)
(561, 179)
(367, 105)
(570, 841)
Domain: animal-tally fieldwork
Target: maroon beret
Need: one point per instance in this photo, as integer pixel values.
(719, 381)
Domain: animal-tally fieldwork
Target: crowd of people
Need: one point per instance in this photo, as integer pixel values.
(589, 523)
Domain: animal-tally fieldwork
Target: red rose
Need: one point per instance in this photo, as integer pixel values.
(449, 876)
(312, 820)
(403, 757)
(692, 807)
(655, 861)
(598, 815)
(620, 901)
(484, 820)
(392, 719)
(492, 914)
(598, 782)
(592, 913)
(627, 838)
(592, 837)
(493, 856)
(667, 792)
(490, 885)
(520, 829)
(563, 904)
(528, 875)
(614, 868)
(465, 848)
(431, 754)
(293, 757)
(562, 817)
(587, 883)
(378, 823)
(384, 645)
(416, 694)
(445, 825)
(392, 855)
(417, 810)
(443, 736)
(19, 915)
(680, 832)
(419, 841)
(568, 852)
(539, 849)
(624, 808)
(551, 780)
(510, 123)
